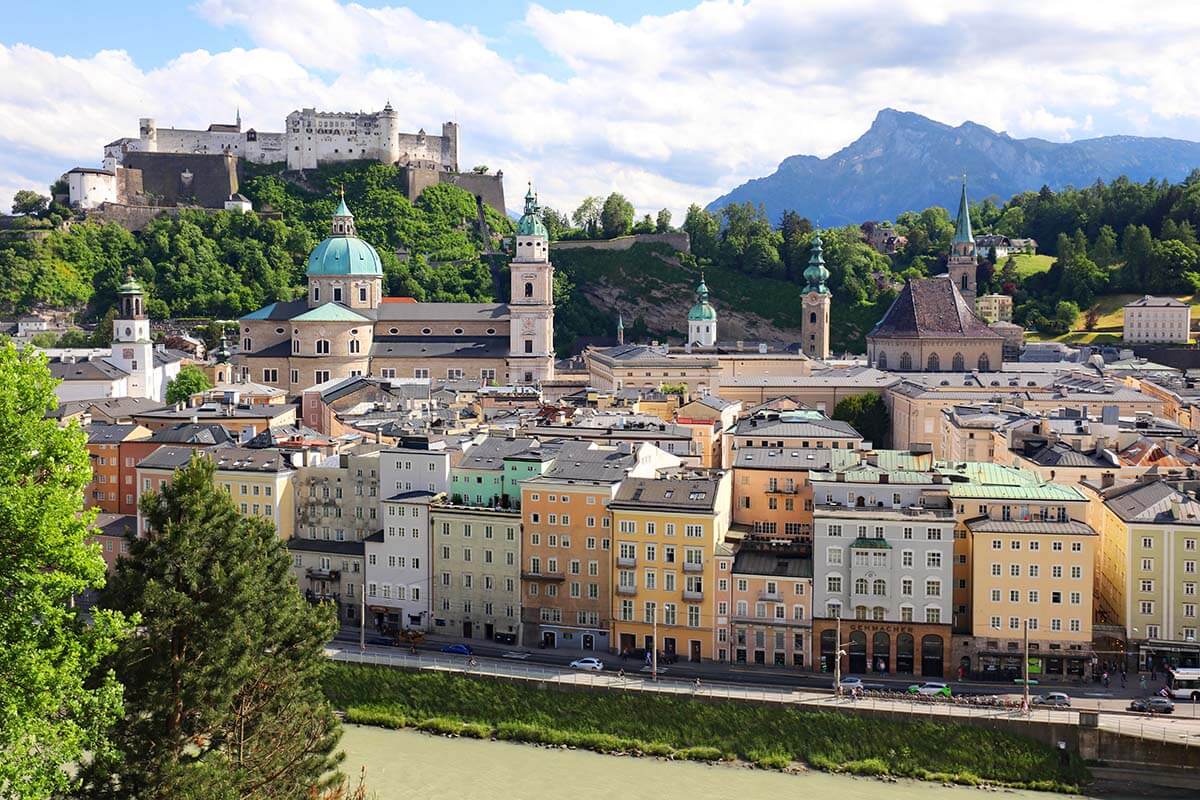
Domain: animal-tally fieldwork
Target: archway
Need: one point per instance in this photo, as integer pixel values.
(932, 665)
(858, 651)
(881, 646)
(904, 653)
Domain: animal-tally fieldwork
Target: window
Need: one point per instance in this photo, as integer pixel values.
(833, 584)
(270, 375)
(322, 347)
(906, 558)
(933, 560)
(355, 346)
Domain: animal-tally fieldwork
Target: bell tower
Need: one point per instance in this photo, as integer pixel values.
(531, 301)
(132, 349)
(814, 325)
(962, 261)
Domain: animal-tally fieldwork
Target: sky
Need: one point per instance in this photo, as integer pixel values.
(668, 102)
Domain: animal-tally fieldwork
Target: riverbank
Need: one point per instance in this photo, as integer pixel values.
(688, 729)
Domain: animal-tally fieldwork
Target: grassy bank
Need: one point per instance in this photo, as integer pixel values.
(771, 736)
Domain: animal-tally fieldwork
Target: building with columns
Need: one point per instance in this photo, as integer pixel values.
(814, 325)
(344, 327)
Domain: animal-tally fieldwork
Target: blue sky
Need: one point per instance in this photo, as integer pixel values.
(669, 102)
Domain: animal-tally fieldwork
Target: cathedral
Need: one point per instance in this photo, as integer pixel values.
(344, 326)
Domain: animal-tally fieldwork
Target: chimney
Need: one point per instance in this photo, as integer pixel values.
(1176, 510)
(1107, 480)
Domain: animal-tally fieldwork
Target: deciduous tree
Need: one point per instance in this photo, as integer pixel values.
(191, 379)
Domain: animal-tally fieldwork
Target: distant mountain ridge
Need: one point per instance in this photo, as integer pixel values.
(907, 162)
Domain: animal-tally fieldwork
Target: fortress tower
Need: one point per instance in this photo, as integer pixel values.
(962, 262)
(814, 325)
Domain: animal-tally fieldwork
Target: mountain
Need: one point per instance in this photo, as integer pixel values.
(909, 162)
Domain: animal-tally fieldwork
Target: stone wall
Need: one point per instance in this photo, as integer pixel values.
(187, 178)
(678, 240)
(489, 188)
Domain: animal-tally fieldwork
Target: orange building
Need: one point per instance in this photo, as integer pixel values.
(772, 495)
(770, 605)
(113, 487)
(111, 530)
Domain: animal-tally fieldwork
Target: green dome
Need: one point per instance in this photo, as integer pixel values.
(344, 255)
(816, 274)
(703, 310)
(530, 223)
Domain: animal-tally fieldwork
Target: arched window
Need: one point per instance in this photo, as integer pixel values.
(964, 281)
(295, 345)
(933, 364)
(883, 360)
(905, 362)
(812, 317)
(957, 363)
(322, 347)
(985, 365)
(529, 290)
(860, 586)
(354, 346)
(879, 588)
(246, 344)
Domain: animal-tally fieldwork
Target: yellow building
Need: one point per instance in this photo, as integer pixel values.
(259, 481)
(1031, 573)
(669, 561)
(1146, 571)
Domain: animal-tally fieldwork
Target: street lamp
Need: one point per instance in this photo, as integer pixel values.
(1025, 666)
(838, 652)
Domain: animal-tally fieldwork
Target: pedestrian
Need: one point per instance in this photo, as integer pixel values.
(1122, 679)
(1105, 679)
(1142, 681)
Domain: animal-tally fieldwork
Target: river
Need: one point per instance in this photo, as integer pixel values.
(406, 765)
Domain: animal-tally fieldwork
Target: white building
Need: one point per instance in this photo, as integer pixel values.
(1157, 320)
(399, 563)
(420, 463)
(89, 188)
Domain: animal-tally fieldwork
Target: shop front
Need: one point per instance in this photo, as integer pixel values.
(877, 646)
(1158, 654)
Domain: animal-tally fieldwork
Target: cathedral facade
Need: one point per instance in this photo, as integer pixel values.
(344, 326)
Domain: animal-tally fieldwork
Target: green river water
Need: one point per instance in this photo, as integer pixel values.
(406, 765)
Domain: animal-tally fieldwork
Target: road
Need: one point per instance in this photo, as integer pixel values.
(764, 686)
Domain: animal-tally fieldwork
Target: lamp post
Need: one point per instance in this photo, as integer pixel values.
(654, 643)
(362, 615)
(838, 652)
(1025, 667)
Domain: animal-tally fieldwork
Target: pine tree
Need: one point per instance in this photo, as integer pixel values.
(224, 678)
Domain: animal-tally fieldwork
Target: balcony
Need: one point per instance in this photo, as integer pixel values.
(320, 574)
(321, 597)
(626, 561)
(771, 622)
(626, 590)
(783, 490)
(693, 594)
(774, 596)
(542, 576)
(693, 566)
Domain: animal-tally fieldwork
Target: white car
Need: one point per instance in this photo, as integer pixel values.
(1056, 699)
(594, 664)
(850, 683)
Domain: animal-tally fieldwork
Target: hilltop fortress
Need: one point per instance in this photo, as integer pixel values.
(169, 159)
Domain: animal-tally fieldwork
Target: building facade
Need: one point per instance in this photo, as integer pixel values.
(399, 563)
(1157, 320)
(770, 613)
(476, 572)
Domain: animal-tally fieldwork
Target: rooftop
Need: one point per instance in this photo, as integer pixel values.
(698, 495)
(931, 307)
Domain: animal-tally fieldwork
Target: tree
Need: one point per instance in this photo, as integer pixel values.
(54, 702)
(616, 216)
(480, 169)
(644, 225)
(223, 680)
(702, 229)
(587, 216)
(190, 380)
(662, 223)
(557, 225)
(27, 201)
(1065, 314)
(868, 414)
(1104, 248)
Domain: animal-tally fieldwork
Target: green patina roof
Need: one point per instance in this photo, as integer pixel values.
(329, 312)
(342, 209)
(344, 255)
(962, 227)
(262, 313)
(816, 274)
(1045, 491)
(130, 286)
(530, 223)
(863, 543)
(703, 310)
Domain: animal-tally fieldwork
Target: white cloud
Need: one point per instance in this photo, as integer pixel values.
(669, 109)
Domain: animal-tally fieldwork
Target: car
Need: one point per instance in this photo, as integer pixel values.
(458, 649)
(1053, 699)
(930, 689)
(381, 640)
(1152, 705)
(850, 683)
(594, 664)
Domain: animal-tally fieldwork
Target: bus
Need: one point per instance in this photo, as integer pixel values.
(1184, 683)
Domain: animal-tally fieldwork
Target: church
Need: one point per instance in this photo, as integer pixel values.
(932, 325)
(344, 327)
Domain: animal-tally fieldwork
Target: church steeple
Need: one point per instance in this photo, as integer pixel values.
(343, 220)
(620, 329)
(962, 226)
(816, 274)
(531, 223)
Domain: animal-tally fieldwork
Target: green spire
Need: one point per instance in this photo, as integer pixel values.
(962, 228)
(620, 322)
(530, 223)
(130, 286)
(702, 310)
(816, 274)
(342, 209)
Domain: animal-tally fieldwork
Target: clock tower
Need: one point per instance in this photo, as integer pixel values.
(814, 325)
(531, 303)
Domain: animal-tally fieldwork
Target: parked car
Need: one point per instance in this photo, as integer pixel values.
(593, 664)
(850, 683)
(458, 649)
(930, 688)
(1152, 705)
(381, 640)
(1053, 699)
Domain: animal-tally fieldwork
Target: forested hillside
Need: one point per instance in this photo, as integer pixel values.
(225, 264)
